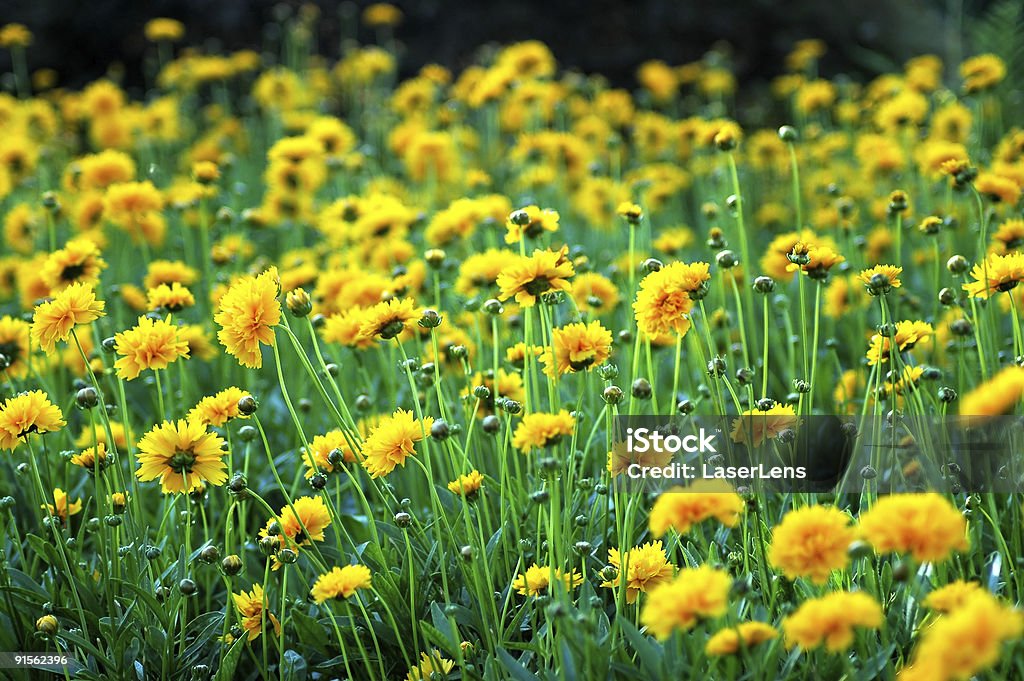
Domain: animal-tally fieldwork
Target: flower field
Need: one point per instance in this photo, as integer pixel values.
(309, 370)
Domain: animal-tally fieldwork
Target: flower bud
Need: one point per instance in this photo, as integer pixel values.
(247, 405)
(47, 625)
(299, 302)
(231, 565)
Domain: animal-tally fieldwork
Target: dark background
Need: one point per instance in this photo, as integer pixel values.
(81, 38)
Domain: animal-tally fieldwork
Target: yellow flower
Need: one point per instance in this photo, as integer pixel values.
(247, 314)
(150, 344)
(216, 410)
(467, 485)
(951, 596)
(577, 347)
(432, 666)
(14, 346)
(252, 613)
(15, 35)
(908, 334)
(830, 621)
(540, 430)
(680, 508)
(54, 320)
(537, 580)
(382, 14)
(183, 454)
(820, 259)
(927, 526)
(666, 297)
(88, 458)
(531, 222)
(999, 395)
(727, 641)
(341, 582)
(527, 278)
(387, 319)
(79, 261)
(318, 457)
(965, 642)
(61, 507)
(812, 542)
(392, 441)
(889, 277)
(172, 297)
(982, 72)
(301, 522)
(646, 566)
(164, 29)
(998, 274)
(694, 594)
(27, 413)
(755, 426)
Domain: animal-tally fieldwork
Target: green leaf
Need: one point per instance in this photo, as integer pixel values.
(226, 671)
(514, 668)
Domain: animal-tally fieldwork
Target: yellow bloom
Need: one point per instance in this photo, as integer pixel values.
(830, 621)
(982, 72)
(537, 579)
(951, 596)
(172, 297)
(694, 594)
(530, 222)
(27, 413)
(998, 274)
(88, 458)
(727, 641)
(61, 507)
(253, 616)
(646, 567)
(927, 526)
(812, 542)
(183, 454)
(164, 29)
(890, 277)
(680, 508)
(150, 344)
(79, 261)
(216, 410)
(14, 346)
(908, 334)
(247, 314)
(527, 278)
(392, 441)
(432, 666)
(341, 582)
(755, 426)
(540, 430)
(318, 457)
(387, 319)
(467, 485)
(1001, 394)
(54, 320)
(577, 347)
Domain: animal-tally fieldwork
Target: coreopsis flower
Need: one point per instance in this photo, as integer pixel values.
(530, 221)
(167, 272)
(694, 594)
(92, 457)
(812, 542)
(982, 72)
(467, 485)
(119, 501)
(183, 454)
(630, 212)
(432, 665)
(908, 334)
(998, 274)
(163, 29)
(666, 297)
(62, 507)
(540, 430)
(998, 188)
(15, 35)
(247, 314)
(341, 582)
(150, 344)
(387, 319)
(595, 293)
(25, 414)
(392, 441)
(509, 385)
(14, 346)
(680, 508)
(646, 567)
(755, 426)
(253, 614)
(621, 457)
(537, 580)
(927, 526)
(746, 634)
(999, 395)
(216, 410)
(830, 620)
(78, 262)
(318, 456)
(951, 596)
(136, 207)
(172, 297)
(54, 320)
(965, 642)
(527, 278)
(298, 524)
(816, 262)
(577, 347)
(880, 278)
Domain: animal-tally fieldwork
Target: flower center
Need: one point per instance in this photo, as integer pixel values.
(537, 286)
(182, 462)
(72, 272)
